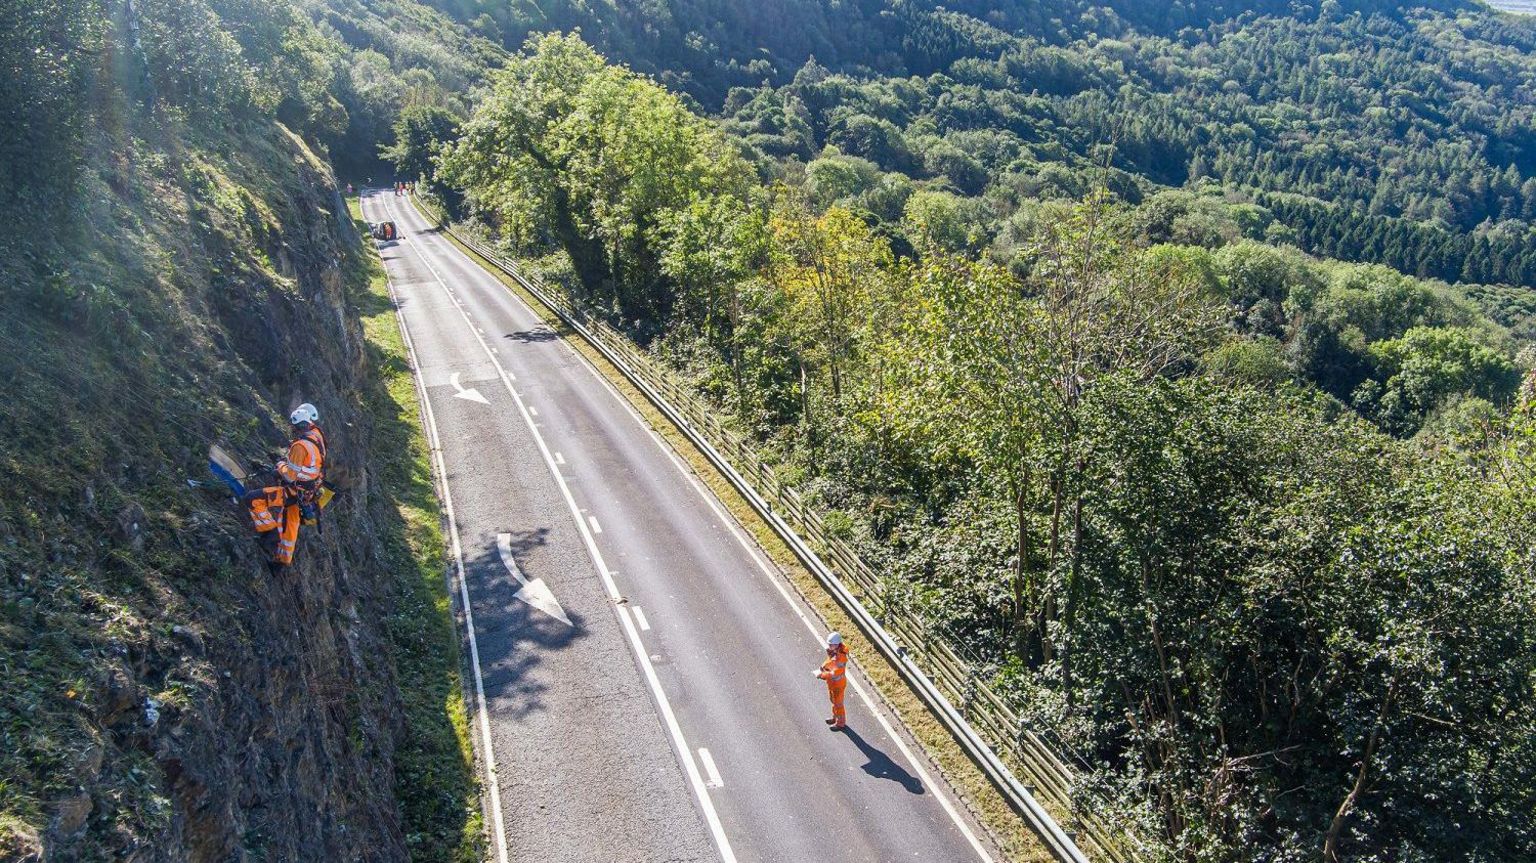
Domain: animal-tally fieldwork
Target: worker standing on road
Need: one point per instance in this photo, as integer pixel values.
(835, 672)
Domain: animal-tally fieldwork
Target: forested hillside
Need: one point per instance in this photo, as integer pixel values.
(1394, 133)
(1246, 531)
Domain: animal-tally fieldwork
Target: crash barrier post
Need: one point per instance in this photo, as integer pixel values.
(992, 733)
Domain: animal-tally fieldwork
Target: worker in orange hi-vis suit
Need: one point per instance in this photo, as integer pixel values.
(835, 672)
(280, 507)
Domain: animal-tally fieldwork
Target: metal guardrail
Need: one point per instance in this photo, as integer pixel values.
(983, 724)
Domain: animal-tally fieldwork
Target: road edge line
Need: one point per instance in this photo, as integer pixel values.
(440, 478)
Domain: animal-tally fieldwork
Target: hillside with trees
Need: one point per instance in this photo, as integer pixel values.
(1376, 132)
(1246, 530)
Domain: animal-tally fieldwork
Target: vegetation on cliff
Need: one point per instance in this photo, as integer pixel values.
(180, 269)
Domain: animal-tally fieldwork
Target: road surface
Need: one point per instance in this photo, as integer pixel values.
(675, 717)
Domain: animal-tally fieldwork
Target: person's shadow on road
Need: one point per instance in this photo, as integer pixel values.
(881, 766)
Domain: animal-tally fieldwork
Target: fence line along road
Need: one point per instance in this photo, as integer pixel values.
(983, 724)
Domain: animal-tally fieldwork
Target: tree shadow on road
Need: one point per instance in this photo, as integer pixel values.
(513, 637)
(541, 334)
(881, 766)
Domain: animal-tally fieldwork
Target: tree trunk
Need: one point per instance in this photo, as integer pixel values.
(1331, 841)
(587, 254)
(1070, 615)
(1021, 610)
(805, 409)
(735, 348)
(1023, 587)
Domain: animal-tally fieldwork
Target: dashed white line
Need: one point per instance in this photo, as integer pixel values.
(640, 619)
(596, 528)
(533, 411)
(559, 459)
(709, 767)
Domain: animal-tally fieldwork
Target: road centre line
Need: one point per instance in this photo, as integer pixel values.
(777, 578)
(669, 717)
(434, 446)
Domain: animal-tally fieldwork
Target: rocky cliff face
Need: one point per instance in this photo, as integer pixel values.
(168, 699)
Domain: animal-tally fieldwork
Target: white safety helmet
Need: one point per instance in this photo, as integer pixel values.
(833, 639)
(304, 413)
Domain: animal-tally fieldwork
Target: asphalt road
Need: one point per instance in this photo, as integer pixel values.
(675, 717)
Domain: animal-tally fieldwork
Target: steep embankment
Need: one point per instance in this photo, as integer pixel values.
(165, 697)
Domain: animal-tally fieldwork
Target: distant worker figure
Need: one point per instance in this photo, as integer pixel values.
(282, 507)
(835, 672)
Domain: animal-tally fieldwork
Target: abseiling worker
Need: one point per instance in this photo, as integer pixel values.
(835, 672)
(304, 467)
(282, 507)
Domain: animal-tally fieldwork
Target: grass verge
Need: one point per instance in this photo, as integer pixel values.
(1012, 835)
(435, 775)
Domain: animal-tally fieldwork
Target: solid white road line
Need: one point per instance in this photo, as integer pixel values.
(709, 767)
(796, 604)
(434, 446)
(645, 625)
(669, 717)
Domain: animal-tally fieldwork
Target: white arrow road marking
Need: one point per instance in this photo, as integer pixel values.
(466, 393)
(536, 593)
(709, 767)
